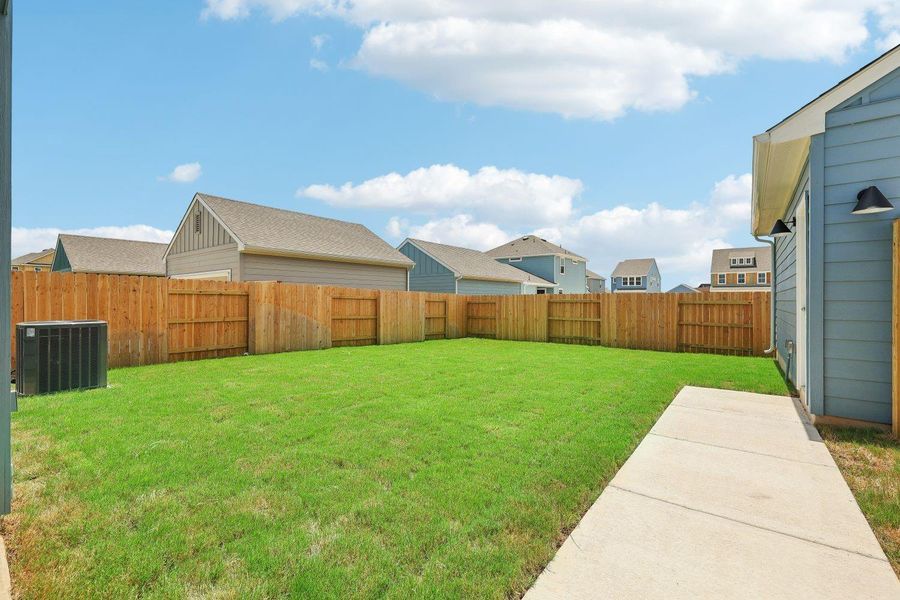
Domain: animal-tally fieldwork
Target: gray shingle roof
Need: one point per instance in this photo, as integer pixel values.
(284, 231)
(591, 275)
(529, 245)
(474, 264)
(27, 258)
(721, 259)
(634, 267)
(108, 255)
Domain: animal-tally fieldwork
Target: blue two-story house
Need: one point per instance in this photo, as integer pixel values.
(546, 260)
(636, 275)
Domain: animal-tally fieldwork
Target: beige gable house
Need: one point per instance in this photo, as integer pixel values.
(741, 270)
(34, 261)
(84, 254)
(230, 240)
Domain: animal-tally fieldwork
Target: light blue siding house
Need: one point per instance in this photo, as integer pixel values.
(596, 283)
(456, 270)
(832, 243)
(636, 275)
(546, 260)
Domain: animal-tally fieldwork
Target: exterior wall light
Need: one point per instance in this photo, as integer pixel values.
(781, 228)
(870, 201)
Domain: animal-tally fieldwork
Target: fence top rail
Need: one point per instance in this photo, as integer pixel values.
(718, 302)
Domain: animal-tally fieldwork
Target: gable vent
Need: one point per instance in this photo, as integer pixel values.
(197, 222)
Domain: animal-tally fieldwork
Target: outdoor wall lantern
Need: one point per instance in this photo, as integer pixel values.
(781, 228)
(870, 201)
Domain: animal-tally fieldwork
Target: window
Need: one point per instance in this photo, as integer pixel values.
(743, 261)
(15, 268)
(742, 278)
(197, 222)
(559, 291)
(632, 281)
(721, 279)
(541, 291)
(38, 269)
(562, 266)
(762, 278)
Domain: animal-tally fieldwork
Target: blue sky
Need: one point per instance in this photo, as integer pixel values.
(612, 129)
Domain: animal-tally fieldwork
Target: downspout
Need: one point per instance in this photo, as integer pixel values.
(771, 347)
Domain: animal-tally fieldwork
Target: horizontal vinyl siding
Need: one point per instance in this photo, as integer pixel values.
(257, 267)
(428, 275)
(476, 287)
(862, 148)
(544, 267)
(208, 259)
(786, 299)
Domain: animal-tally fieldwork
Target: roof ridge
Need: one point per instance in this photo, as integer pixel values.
(103, 237)
(279, 209)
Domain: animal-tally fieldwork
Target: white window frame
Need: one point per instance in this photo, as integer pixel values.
(721, 279)
(562, 266)
(762, 278)
(742, 278)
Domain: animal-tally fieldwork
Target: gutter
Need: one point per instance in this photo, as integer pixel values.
(771, 347)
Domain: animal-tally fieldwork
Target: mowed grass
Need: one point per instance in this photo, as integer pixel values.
(438, 470)
(870, 462)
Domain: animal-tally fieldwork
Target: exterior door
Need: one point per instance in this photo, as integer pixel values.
(800, 344)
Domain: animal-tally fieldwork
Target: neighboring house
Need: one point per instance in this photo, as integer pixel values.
(741, 269)
(636, 275)
(451, 269)
(83, 254)
(683, 288)
(546, 260)
(596, 283)
(34, 261)
(812, 178)
(704, 288)
(231, 240)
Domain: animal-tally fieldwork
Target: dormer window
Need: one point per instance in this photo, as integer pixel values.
(743, 261)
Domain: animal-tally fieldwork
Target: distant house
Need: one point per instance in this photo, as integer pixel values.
(232, 240)
(545, 260)
(704, 288)
(636, 275)
(451, 269)
(83, 254)
(596, 284)
(683, 288)
(741, 270)
(34, 261)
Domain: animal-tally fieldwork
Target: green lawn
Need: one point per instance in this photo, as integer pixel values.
(870, 462)
(441, 469)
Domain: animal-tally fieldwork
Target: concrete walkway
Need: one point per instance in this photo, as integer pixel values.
(730, 495)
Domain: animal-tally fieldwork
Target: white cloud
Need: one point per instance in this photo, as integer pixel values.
(458, 230)
(583, 58)
(25, 239)
(681, 239)
(319, 41)
(318, 65)
(510, 195)
(185, 173)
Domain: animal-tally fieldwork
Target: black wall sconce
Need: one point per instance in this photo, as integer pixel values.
(781, 228)
(870, 201)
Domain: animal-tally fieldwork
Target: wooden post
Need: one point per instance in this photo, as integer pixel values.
(895, 329)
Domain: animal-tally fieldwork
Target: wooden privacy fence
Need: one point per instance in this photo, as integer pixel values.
(154, 319)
